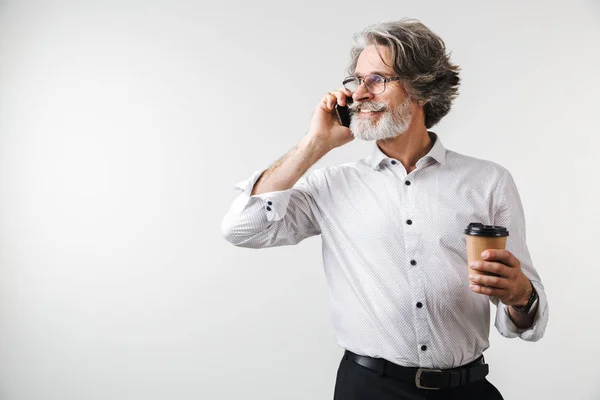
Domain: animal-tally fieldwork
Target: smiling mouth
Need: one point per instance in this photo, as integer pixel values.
(368, 113)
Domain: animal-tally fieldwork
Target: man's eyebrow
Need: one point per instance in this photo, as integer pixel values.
(381, 73)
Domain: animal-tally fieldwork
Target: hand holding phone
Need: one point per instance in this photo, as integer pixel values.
(330, 122)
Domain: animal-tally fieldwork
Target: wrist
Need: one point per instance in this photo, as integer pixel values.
(527, 306)
(526, 295)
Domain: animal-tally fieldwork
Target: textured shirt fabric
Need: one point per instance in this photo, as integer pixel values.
(394, 250)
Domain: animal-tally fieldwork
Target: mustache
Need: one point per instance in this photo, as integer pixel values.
(367, 105)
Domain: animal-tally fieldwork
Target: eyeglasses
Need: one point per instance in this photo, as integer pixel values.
(374, 83)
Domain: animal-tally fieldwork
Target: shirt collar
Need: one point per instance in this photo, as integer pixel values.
(437, 152)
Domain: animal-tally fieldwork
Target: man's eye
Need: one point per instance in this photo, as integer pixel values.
(372, 79)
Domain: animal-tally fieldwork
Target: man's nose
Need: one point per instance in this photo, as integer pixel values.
(361, 93)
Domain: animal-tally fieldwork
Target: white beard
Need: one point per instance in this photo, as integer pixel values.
(389, 125)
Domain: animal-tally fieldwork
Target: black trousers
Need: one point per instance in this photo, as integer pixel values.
(355, 382)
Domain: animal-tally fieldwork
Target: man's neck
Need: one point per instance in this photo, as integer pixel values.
(408, 147)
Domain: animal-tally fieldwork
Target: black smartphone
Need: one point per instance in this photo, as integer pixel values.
(343, 112)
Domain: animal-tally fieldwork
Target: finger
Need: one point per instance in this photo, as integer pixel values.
(493, 268)
(340, 97)
(490, 291)
(330, 101)
(500, 255)
(346, 92)
(489, 281)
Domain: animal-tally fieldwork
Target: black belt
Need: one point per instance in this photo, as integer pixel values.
(424, 378)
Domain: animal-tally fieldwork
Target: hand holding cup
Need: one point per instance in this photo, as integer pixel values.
(493, 270)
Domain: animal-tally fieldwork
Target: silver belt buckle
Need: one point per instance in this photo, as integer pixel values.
(418, 378)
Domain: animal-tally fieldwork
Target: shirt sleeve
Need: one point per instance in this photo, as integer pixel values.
(509, 213)
(271, 219)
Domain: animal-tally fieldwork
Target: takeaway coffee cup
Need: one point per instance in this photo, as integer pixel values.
(481, 237)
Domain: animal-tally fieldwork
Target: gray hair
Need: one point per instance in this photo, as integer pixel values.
(419, 58)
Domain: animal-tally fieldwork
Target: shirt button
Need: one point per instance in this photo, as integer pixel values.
(268, 208)
(409, 222)
(419, 304)
(423, 347)
(394, 162)
(413, 262)
(407, 183)
(269, 202)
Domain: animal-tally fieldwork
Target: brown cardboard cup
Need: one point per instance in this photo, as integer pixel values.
(482, 237)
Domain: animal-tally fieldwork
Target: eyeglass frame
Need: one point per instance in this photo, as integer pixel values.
(350, 78)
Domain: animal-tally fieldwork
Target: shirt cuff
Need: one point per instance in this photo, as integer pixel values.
(507, 327)
(274, 203)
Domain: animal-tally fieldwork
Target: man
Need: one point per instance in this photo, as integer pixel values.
(412, 317)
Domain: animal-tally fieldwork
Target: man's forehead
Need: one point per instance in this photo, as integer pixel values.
(370, 61)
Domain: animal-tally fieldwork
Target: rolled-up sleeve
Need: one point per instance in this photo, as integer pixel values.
(271, 219)
(510, 214)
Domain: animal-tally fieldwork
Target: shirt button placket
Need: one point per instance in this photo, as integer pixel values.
(414, 240)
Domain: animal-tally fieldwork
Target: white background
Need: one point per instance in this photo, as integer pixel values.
(124, 126)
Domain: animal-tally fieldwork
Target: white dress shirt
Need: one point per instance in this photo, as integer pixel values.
(394, 250)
